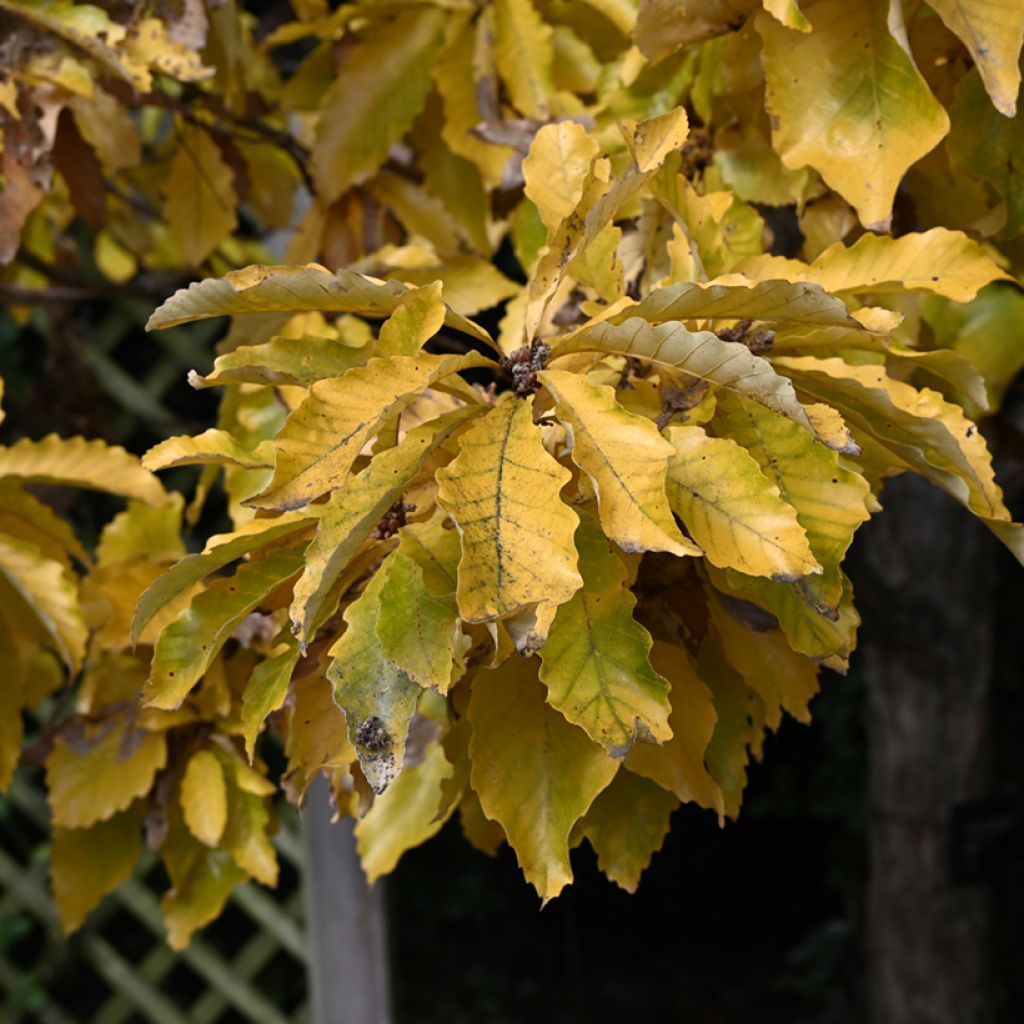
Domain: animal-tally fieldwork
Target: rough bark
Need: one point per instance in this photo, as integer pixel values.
(925, 587)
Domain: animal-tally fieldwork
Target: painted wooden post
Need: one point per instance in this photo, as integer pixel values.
(348, 947)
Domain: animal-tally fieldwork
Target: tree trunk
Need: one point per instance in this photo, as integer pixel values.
(926, 586)
(347, 929)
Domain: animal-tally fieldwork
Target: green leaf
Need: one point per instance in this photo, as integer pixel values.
(847, 100)
(76, 462)
(503, 491)
(595, 661)
(355, 509)
(625, 457)
(188, 645)
(377, 92)
(378, 699)
(259, 289)
(626, 826)
(322, 438)
(534, 772)
(266, 691)
(730, 508)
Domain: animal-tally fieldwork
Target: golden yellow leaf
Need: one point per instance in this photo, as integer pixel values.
(204, 797)
(993, 32)
(322, 438)
(200, 199)
(525, 56)
(245, 835)
(99, 772)
(301, 289)
(847, 100)
(211, 447)
(12, 727)
(788, 13)
(404, 816)
(26, 518)
(626, 826)
(664, 26)
(534, 772)
(651, 141)
(678, 764)
(503, 491)
(414, 322)
(556, 168)
(76, 462)
(87, 863)
(595, 661)
(730, 508)
(626, 459)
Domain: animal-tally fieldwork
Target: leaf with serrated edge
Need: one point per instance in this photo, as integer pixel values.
(595, 661)
(939, 260)
(76, 462)
(322, 438)
(211, 447)
(732, 510)
(414, 322)
(283, 360)
(204, 797)
(534, 772)
(102, 773)
(352, 512)
(221, 550)
(188, 645)
(301, 289)
(51, 594)
(626, 826)
(651, 141)
(671, 346)
(26, 518)
(524, 55)
(626, 459)
(368, 687)
(830, 500)
(503, 490)
(678, 764)
(847, 100)
(404, 816)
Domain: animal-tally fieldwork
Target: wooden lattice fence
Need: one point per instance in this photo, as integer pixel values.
(249, 966)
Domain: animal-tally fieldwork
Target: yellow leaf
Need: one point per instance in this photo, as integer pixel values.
(302, 289)
(49, 593)
(101, 771)
(848, 101)
(142, 531)
(188, 645)
(375, 97)
(651, 141)
(414, 322)
(525, 56)
(404, 816)
(556, 168)
(200, 200)
(87, 863)
(534, 772)
(204, 797)
(245, 835)
(788, 13)
(625, 457)
(941, 261)
(503, 491)
(595, 661)
(670, 346)
(377, 698)
(28, 519)
(355, 509)
(830, 500)
(12, 727)
(678, 764)
(993, 32)
(200, 888)
(664, 26)
(76, 462)
(322, 438)
(732, 510)
(211, 447)
(470, 284)
(626, 826)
